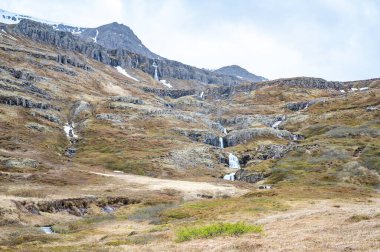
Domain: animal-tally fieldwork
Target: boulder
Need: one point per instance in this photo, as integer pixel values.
(23, 102)
(296, 106)
(128, 99)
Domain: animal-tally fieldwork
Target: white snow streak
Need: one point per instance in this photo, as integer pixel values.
(123, 72)
(166, 83)
(96, 37)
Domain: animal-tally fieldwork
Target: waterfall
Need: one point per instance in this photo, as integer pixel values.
(69, 130)
(225, 131)
(202, 95)
(155, 71)
(230, 176)
(155, 74)
(47, 230)
(221, 145)
(276, 124)
(233, 161)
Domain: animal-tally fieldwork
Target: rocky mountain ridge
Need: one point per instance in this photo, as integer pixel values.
(120, 38)
(119, 57)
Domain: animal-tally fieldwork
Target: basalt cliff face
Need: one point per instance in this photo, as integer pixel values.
(118, 56)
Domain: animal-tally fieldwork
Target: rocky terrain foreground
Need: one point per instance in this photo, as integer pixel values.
(103, 149)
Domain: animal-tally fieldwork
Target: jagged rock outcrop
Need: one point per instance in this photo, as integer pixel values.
(65, 40)
(24, 102)
(264, 152)
(248, 176)
(242, 136)
(37, 126)
(222, 92)
(200, 136)
(116, 118)
(273, 151)
(246, 121)
(60, 58)
(20, 163)
(20, 74)
(75, 206)
(295, 106)
(172, 93)
(127, 99)
(49, 117)
(67, 60)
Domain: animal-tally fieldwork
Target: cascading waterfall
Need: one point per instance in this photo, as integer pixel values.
(155, 71)
(277, 123)
(225, 131)
(69, 130)
(230, 176)
(202, 95)
(47, 230)
(221, 144)
(233, 161)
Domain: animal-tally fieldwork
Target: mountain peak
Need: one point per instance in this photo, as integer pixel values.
(240, 73)
(117, 36)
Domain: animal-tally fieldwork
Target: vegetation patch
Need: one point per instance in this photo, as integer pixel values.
(218, 229)
(150, 213)
(358, 217)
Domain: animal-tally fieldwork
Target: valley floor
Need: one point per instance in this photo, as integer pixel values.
(294, 219)
(326, 225)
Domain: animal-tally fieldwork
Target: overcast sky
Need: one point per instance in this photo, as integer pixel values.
(332, 39)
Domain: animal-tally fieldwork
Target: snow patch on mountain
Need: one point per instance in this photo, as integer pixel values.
(123, 72)
(5, 34)
(96, 37)
(166, 83)
(8, 17)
